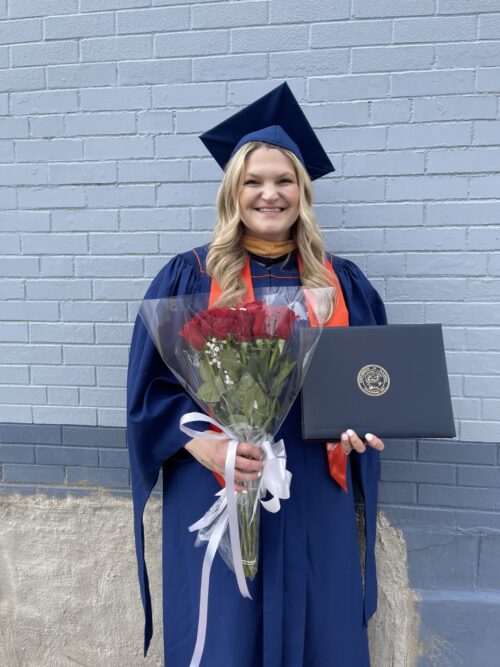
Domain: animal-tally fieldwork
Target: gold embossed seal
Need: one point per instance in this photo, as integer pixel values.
(373, 380)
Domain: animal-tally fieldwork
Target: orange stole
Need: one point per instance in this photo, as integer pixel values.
(337, 459)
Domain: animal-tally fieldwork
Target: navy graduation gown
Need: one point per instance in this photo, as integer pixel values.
(308, 607)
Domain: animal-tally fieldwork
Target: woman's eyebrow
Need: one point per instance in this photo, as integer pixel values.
(286, 173)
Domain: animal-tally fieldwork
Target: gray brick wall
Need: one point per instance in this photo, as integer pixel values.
(103, 178)
(57, 459)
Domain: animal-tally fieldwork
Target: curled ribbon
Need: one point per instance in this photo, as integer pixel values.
(275, 479)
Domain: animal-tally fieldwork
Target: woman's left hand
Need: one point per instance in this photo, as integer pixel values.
(350, 440)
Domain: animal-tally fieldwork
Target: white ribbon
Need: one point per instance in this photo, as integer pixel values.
(275, 479)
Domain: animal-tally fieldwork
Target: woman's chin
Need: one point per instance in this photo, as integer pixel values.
(269, 231)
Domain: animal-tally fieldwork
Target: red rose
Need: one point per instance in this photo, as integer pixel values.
(242, 328)
(223, 322)
(284, 322)
(205, 319)
(260, 324)
(254, 306)
(273, 322)
(205, 326)
(191, 331)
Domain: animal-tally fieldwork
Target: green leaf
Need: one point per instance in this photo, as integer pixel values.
(238, 390)
(246, 381)
(253, 367)
(212, 390)
(208, 392)
(205, 372)
(255, 400)
(237, 419)
(231, 362)
(258, 365)
(229, 357)
(283, 371)
(220, 384)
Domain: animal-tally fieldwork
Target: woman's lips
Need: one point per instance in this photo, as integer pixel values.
(270, 213)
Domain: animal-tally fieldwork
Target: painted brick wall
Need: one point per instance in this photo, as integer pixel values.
(103, 178)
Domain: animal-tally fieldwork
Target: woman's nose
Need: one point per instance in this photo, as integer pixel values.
(269, 193)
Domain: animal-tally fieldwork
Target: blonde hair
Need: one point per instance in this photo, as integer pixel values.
(226, 256)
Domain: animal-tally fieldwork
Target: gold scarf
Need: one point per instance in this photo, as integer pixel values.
(265, 248)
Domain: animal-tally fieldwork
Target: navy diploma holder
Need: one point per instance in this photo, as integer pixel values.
(390, 380)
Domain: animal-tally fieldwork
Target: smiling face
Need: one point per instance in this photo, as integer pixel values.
(269, 195)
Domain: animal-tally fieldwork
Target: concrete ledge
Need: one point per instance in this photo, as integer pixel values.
(68, 583)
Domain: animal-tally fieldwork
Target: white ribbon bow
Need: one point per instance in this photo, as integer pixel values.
(275, 479)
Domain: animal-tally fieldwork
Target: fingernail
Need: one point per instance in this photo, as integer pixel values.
(350, 432)
(259, 474)
(244, 491)
(344, 437)
(369, 437)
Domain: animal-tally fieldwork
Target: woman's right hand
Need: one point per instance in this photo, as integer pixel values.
(212, 454)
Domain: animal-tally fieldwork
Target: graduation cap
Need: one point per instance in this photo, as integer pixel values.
(277, 119)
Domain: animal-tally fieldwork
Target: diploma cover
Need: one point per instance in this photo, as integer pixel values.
(390, 380)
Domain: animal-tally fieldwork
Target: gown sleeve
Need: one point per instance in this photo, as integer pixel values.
(155, 401)
(365, 307)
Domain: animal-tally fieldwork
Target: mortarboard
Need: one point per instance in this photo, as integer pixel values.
(277, 119)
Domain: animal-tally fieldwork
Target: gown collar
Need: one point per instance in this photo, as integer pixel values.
(287, 264)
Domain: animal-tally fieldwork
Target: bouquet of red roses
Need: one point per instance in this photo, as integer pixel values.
(244, 366)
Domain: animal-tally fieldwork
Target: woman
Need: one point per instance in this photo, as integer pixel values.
(308, 607)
